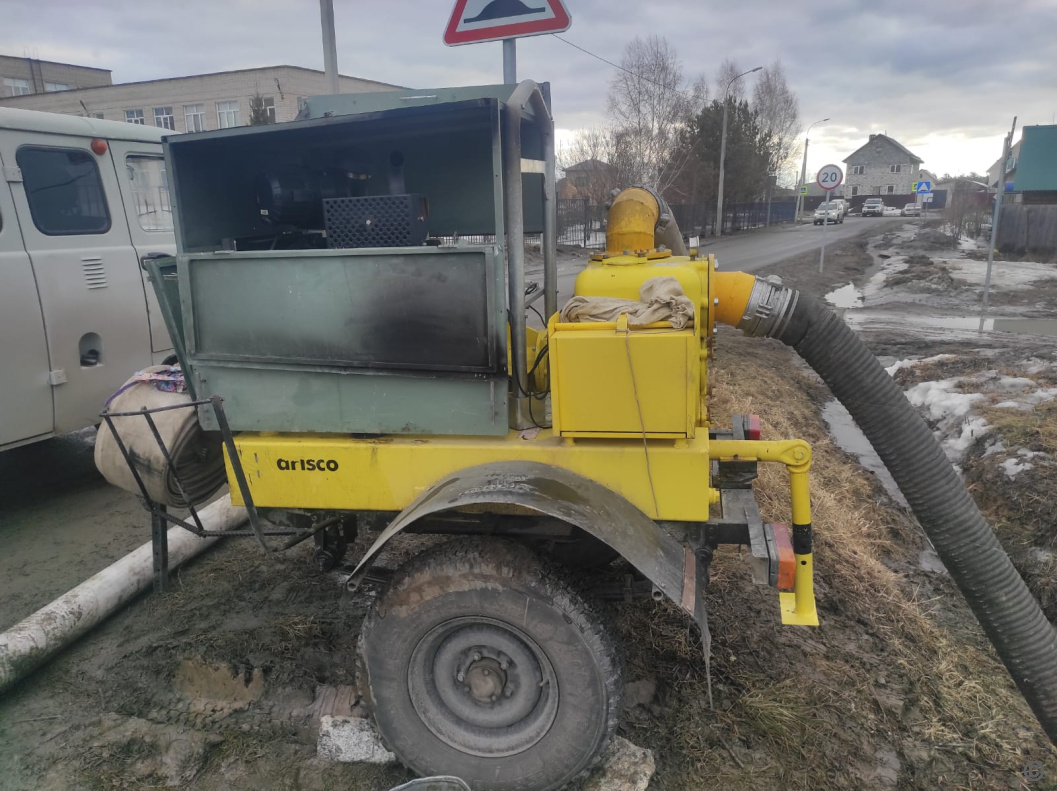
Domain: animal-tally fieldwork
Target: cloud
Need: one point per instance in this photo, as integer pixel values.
(944, 78)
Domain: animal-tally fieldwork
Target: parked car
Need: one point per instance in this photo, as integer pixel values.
(873, 207)
(912, 210)
(82, 204)
(831, 212)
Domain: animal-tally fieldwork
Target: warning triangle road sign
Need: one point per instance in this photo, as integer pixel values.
(474, 21)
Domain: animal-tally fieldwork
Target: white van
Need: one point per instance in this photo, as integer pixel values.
(82, 202)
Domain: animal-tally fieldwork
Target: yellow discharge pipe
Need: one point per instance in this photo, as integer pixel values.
(732, 290)
(797, 607)
(631, 221)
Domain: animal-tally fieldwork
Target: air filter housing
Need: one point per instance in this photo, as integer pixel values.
(376, 221)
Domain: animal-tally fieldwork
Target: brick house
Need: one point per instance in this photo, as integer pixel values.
(882, 166)
(591, 179)
(26, 76)
(197, 103)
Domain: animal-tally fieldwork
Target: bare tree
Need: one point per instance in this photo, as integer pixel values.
(650, 104)
(728, 70)
(779, 113)
(589, 165)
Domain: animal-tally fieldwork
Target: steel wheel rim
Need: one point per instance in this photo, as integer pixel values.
(483, 686)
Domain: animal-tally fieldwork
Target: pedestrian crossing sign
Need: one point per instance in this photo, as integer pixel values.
(803, 190)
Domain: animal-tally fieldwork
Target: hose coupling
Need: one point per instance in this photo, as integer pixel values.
(768, 310)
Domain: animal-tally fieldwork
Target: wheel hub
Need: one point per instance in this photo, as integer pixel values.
(485, 680)
(483, 686)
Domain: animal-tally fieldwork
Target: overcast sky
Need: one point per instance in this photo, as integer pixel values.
(944, 77)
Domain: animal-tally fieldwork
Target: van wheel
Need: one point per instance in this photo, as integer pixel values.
(481, 662)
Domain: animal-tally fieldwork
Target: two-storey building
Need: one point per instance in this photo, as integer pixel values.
(882, 166)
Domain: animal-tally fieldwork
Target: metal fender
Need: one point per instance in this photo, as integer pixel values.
(574, 499)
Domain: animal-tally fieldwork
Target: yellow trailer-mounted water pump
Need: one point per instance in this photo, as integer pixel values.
(349, 308)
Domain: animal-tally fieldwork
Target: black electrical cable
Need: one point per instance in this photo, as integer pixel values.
(544, 323)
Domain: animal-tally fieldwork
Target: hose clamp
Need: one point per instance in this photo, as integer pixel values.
(768, 310)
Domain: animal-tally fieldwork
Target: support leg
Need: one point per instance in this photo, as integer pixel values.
(159, 536)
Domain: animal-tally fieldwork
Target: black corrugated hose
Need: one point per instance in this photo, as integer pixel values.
(1005, 608)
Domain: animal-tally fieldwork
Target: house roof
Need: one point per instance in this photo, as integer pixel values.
(589, 165)
(885, 139)
(14, 100)
(1037, 166)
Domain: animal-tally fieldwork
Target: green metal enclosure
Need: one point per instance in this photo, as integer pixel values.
(297, 337)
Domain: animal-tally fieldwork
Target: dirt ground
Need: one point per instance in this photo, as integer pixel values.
(219, 683)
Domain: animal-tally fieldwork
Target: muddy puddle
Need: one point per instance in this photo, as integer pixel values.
(956, 324)
(850, 439)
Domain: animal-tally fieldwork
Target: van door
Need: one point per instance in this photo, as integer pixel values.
(88, 275)
(145, 193)
(25, 395)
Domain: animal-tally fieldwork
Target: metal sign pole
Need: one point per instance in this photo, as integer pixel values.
(1006, 147)
(510, 61)
(825, 225)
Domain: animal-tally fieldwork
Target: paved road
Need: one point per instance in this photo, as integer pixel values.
(754, 250)
(759, 249)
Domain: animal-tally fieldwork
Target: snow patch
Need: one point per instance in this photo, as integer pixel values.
(913, 361)
(1005, 275)
(1012, 467)
(942, 400)
(845, 297)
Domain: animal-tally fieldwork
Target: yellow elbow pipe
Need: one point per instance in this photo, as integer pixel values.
(733, 290)
(631, 221)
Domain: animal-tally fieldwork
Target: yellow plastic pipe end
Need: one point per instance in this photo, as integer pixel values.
(631, 221)
(732, 289)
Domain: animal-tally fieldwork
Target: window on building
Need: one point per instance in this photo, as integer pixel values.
(195, 117)
(890, 189)
(64, 190)
(51, 87)
(100, 116)
(895, 168)
(858, 170)
(15, 87)
(134, 117)
(150, 192)
(269, 108)
(163, 118)
(854, 191)
(227, 114)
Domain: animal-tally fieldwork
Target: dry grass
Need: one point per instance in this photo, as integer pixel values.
(897, 668)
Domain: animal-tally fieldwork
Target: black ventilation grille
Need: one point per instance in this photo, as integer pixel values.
(375, 221)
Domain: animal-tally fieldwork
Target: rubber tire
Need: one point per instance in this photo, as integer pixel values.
(501, 580)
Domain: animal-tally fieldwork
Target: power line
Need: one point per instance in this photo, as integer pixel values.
(621, 68)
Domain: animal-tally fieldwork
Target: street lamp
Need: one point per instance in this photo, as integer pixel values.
(803, 173)
(723, 151)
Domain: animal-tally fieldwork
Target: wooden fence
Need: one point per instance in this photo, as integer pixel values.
(1028, 229)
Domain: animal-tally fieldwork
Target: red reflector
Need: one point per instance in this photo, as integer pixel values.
(752, 427)
(98, 147)
(786, 558)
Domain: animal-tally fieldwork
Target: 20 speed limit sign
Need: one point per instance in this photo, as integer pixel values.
(830, 177)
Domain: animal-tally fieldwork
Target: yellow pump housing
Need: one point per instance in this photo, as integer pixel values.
(628, 411)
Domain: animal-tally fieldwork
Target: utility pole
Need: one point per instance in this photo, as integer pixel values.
(330, 45)
(803, 173)
(723, 149)
(1006, 148)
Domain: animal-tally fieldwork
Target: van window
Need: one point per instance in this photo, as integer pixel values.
(150, 192)
(64, 190)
